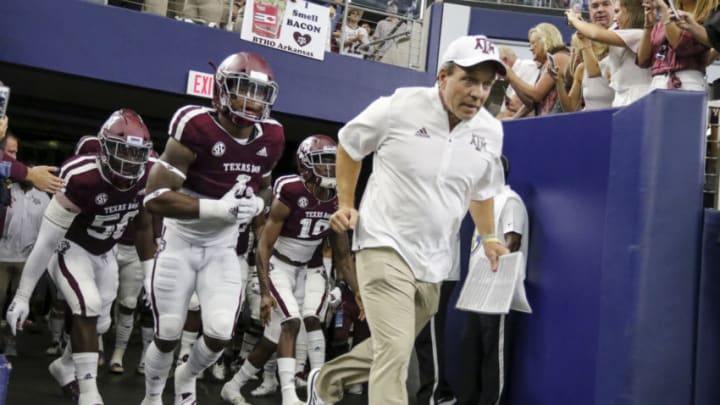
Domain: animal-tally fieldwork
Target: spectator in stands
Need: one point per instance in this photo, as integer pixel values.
(331, 29)
(353, 35)
(165, 8)
(707, 33)
(41, 177)
(394, 51)
(602, 12)
(525, 69)
(547, 47)
(676, 59)
(20, 225)
(205, 11)
(629, 81)
(238, 14)
(484, 336)
(589, 88)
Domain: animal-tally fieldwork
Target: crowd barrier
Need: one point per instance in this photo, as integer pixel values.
(615, 204)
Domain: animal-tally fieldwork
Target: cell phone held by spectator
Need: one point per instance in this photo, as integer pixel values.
(4, 99)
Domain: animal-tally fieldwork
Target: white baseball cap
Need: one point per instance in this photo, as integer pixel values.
(471, 50)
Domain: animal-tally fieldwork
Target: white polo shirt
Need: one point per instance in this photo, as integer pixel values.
(424, 176)
(22, 223)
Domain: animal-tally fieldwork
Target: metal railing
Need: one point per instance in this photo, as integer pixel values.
(712, 152)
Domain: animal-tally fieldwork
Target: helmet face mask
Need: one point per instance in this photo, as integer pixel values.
(125, 147)
(125, 159)
(244, 89)
(316, 161)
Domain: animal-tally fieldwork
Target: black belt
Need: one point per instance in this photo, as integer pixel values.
(286, 259)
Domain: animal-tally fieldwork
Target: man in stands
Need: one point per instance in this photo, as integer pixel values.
(212, 179)
(103, 194)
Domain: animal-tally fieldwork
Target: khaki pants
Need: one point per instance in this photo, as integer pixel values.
(397, 307)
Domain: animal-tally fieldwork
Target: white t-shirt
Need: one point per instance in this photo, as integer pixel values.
(424, 176)
(596, 91)
(527, 70)
(353, 50)
(628, 79)
(22, 223)
(510, 216)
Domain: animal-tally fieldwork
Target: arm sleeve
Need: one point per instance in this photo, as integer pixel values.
(631, 37)
(513, 217)
(364, 133)
(52, 229)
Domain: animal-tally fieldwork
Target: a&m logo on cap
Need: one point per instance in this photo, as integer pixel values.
(483, 44)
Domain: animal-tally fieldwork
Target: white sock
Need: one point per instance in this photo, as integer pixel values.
(157, 366)
(202, 357)
(247, 371)
(101, 344)
(301, 349)
(286, 371)
(270, 368)
(123, 329)
(186, 343)
(249, 341)
(316, 348)
(86, 371)
(67, 366)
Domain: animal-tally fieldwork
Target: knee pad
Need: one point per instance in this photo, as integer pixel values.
(219, 325)
(128, 302)
(169, 327)
(272, 331)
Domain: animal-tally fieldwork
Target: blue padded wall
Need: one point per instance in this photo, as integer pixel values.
(707, 389)
(651, 252)
(559, 166)
(614, 198)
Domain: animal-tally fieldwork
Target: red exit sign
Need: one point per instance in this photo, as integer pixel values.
(200, 84)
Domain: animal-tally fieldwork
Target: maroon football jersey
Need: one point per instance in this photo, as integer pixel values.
(308, 222)
(90, 145)
(220, 158)
(105, 210)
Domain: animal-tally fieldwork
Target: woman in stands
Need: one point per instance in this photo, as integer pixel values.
(629, 81)
(548, 50)
(676, 59)
(587, 87)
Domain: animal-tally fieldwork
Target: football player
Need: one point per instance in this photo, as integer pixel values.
(212, 179)
(103, 194)
(290, 289)
(131, 275)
